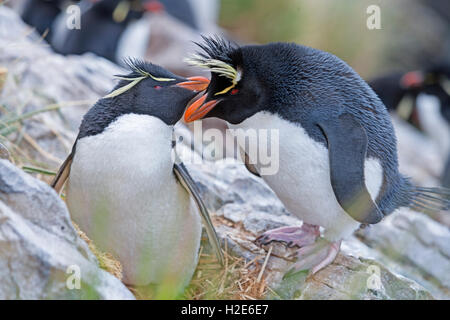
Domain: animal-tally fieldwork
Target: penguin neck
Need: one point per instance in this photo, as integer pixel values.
(131, 142)
(105, 112)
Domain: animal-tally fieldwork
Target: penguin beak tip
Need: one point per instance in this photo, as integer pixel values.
(195, 84)
(199, 109)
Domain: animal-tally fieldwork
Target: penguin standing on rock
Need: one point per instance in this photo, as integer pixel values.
(126, 191)
(337, 151)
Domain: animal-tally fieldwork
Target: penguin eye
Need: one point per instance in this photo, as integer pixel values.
(157, 87)
(234, 91)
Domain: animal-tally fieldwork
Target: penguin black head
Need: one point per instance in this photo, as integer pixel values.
(149, 90)
(237, 89)
(249, 79)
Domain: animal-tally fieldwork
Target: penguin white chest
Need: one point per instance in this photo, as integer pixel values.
(122, 192)
(302, 181)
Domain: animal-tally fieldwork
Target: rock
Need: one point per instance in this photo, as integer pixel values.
(247, 207)
(38, 78)
(416, 246)
(350, 278)
(170, 43)
(40, 251)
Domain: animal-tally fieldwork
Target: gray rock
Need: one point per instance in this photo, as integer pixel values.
(415, 246)
(249, 208)
(45, 209)
(39, 246)
(39, 78)
(350, 278)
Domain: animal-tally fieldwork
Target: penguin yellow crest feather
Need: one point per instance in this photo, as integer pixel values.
(135, 66)
(217, 66)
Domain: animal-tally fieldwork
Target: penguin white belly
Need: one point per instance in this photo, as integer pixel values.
(302, 181)
(122, 192)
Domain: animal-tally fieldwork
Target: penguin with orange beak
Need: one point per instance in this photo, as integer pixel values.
(428, 91)
(338, 164)
(125, 188)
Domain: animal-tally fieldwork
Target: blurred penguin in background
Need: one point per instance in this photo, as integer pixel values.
(102, 24)
(115, 29)
(40, 14)
(421, 98)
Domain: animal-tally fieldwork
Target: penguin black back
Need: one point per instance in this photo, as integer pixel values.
(99, 32)
(306, 86)
(302, 85)
(41, 14)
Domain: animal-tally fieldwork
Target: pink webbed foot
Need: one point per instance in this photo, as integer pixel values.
(316, 256)
(291, 236)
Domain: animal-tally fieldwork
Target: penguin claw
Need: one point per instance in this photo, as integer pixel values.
(315, 257)
(290, 236)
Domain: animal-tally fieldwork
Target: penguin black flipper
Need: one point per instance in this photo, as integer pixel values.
(63, 173)
(188, 183)
(347, 147)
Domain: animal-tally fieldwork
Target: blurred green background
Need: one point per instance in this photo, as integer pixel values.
(413, 32)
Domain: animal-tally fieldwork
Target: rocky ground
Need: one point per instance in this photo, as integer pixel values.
(43, 97)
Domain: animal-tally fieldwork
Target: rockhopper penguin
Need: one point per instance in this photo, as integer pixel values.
(124, 188)
(338, 164)
(429, 109)
(102, 24)
(109, 27)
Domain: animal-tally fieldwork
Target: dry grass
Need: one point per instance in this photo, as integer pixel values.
(238, 279)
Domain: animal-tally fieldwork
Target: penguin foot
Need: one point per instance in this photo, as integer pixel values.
(316, 256)
(291, 236)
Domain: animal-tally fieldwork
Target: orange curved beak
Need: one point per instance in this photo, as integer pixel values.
(195, 84)
(199, 109)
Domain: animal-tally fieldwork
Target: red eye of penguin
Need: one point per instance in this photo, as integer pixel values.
(157, 87)
(234, 91)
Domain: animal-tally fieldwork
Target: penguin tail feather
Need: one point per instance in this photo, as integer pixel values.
(430, 199)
